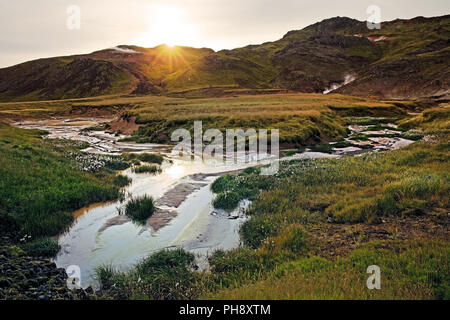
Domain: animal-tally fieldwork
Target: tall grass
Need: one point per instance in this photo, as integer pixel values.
(348, 190)
(434, 120)
(139, 209)
(301, 118)
(412, 270)
(41, 183)
(408, 182)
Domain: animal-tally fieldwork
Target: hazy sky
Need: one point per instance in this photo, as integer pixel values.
(32, 29)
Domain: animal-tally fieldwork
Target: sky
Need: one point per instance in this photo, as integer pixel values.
(32, 29)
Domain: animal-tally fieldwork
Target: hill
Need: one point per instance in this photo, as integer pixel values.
(405, 59)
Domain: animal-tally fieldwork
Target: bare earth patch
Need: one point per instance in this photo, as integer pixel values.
(159, 219)
(116, 221)
(124, 126)
(340, 239)
(174, 197)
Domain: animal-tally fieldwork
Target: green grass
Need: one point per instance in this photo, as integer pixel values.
(434, 120)
(165, 275)
(301, 118)
(140, 209)
(351, 189)
(411, 270)
(43, 247)
(289, 153)
(144, 157)
(42, 184)
(146, 169)
(278, 258)
(231, 189)
(404, 183)
(121, 180)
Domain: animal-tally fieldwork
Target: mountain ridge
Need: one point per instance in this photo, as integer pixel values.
(405, 59)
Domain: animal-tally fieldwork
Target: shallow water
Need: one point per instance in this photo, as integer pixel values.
(89, 243)
(100, 236)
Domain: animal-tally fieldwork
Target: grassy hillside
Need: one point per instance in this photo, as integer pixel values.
(413, 62)
(60, 78)
(404, 59)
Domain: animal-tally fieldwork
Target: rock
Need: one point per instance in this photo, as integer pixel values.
(81, 294)
(42, 280)
(32, 283)
(68, 296)
(41, 288)
(23, 278)
(5, 283)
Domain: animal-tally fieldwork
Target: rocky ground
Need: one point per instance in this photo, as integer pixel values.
(24, 277)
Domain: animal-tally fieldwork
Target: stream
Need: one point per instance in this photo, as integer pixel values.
(184, 217)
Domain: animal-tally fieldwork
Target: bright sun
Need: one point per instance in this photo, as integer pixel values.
(167, 25)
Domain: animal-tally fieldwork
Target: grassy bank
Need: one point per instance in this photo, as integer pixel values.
(301, 118)
(43, 181)
(410, 270)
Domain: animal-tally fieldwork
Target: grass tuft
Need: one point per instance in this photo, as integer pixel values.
(140, 209)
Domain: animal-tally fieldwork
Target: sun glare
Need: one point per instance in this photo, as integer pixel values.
(167, 25)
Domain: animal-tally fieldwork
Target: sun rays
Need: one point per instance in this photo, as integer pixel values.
(167, 25)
